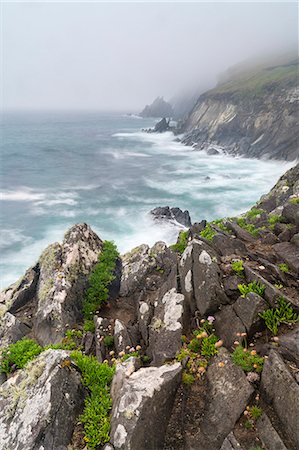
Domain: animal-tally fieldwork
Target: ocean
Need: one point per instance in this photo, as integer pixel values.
(58, 169)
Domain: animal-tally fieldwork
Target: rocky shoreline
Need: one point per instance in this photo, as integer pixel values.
(201, 338)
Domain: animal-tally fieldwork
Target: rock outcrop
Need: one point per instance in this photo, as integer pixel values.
(175, 215)
(159, 108)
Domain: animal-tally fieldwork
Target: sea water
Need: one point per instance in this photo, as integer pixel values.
(58, 169)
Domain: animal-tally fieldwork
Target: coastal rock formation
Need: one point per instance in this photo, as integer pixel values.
(172, 215)
(242, 115)
(159, 108)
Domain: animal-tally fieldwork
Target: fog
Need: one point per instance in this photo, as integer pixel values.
(120, 56)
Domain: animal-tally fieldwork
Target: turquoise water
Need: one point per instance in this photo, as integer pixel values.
(58, 169)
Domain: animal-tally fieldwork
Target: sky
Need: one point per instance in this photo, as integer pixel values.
(120, 56)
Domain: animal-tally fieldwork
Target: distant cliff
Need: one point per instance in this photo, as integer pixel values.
(159, 108)
(253, 114)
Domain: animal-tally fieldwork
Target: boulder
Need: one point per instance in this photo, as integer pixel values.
(11, 329)
(240, 232)
(121, 336)
(228, 394)
(64, 273)
(172, 215)
(142, 407)
(230, 285)
(101, 331)
(227, 245)
(291, 213)
(228, 324)
(268, 435)
(289, 253)
(185, 268)
(231, 443)
(166, 327)
(295, 240)
(39, 404)
(289, 346)
(248, 310)
(281, 390)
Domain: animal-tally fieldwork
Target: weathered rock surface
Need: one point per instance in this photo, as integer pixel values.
(289, 253)
(268, 435)
(172, 215)
(289, 346)
(159, 108)
(11, 329)
(281, 390)
(231, 443)
(227, 396)
(228, 324)
(39, 404)
(122, 338)
(142, 407)
(248, 310)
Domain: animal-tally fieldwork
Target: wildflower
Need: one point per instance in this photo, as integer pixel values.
(121, 354)
(251, 344)
(211, 319)
(138, 347)
(236, 343)
(252, 377)
(276, 339)
(221, 364)
(246, 412)
(243, 334)
(127, 347)
(244, 350)
(132, 350)
(255, 366)
(113, 360)
(105, 361)
(202, 321)
(253, 352)
(238, 334)
(111, 353)
(201, 370)
(219, 344)
(204, 334)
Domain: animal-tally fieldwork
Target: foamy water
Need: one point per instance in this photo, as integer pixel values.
(61, 169)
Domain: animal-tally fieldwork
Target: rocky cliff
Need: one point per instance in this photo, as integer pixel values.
(253, 114)
(193, 346)
(159, 108)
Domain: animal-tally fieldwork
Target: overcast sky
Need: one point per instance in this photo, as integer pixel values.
(120, 56)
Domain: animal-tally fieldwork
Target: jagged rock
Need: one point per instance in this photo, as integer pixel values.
(281, 390)
(39, 404)
(123, 370)
(64, 272)
(248, 310)
(289, 346)
(88, 343)
(227, 396)
(230, 285)
(142, 407)
(295, 240)
(146, 269)
(121, 336)
(18, 294)
(159, 108)
(227, 245)
(196, 228)
(162, 126)
(268, 435)
(11, 329)
(231, 443)
(268, 238)
(166, 327)
(228, 324)
(288, 253)
(101, 330)
(291, 213)
(172, 215)
(145, 314)
(242, 234)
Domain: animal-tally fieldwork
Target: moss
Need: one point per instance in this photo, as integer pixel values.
(273, 219)
(109, 341)
(249, 227)
(253, 213)
(45, 288)
(187, 379)
(49, 260)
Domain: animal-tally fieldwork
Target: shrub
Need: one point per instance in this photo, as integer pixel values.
(181, 245)
(208, 232)
(238, 267)
(101, 277)
(255, 287)
(247, 360)
(283, 267)
(284, 313)
(95, 417)
(17, 355)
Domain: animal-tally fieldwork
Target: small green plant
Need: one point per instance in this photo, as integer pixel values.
(17, 355)
(208, 348)
(219, 223)
(146, 359)
(256, 448)
(208, 232)
(273, 219)
(96, 378)
(284, 267)
(187, 379)
(278, 285)
(295, 201)
(238, 267)
(181, 245)
(194, 345)
(129, 355)
(255, 412)
(101, 277)
(284, 313)
(253, 213)
(255, 286)
(248, 424)
(109, 341)
(248, 360)
(249, 227)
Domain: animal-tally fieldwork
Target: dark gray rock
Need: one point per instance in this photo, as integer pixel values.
(291, 213)
(248, 310)
(11, 329)
(162, 126)
(172, 215)
(268, 435)
(227, 396)
(227, 245)
(142, 407)
(289, 346)
(196, 228)
(121, 336)
(166, 327)
(230, 285)
(39, 404)
(295, 240)
(228, 324)
(231, 443)
(289, 253)
(240, 232)
(281, 390)
(101, 331)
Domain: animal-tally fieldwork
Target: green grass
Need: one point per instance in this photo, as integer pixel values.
(255, 286)
(238, 267)
(248, 362)
(253, 213)
(284, 267)
(95, 418)
(208, 233)
(181, 245)
(284, 313)
(17, 355)
(255, 412)
(99, 281)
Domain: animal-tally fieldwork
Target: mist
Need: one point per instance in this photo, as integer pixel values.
(120, 56)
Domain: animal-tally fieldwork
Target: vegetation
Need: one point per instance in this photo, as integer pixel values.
(248, 360)
(249, 227)
(255, 412)
(274, 219)
(96, 378)
(294, 201)
(208, 232)
(101, 277)
(187, 378)
(219, 223)
(17, 355)
(109, 341)
(238, 267)
(253, 213)
(182, 242)
(255, 287)
(208, 348)
(284, 267)
(284, 313)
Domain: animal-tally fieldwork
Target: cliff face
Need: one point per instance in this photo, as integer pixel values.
(254, 114)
